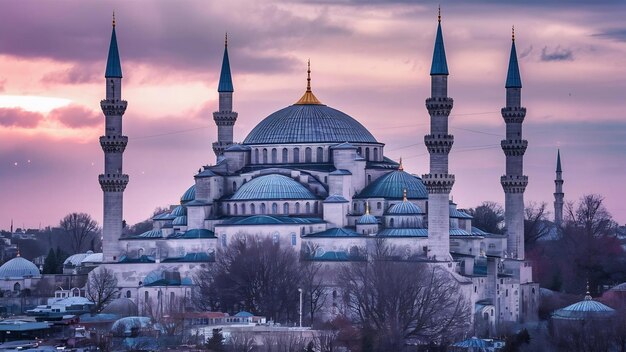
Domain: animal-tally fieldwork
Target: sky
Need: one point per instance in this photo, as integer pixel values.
(369, 59)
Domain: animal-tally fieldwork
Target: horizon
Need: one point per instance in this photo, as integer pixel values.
(369, 59)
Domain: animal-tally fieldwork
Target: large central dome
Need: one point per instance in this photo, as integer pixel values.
(309, 123)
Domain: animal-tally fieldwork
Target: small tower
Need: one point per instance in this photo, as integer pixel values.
(113, 182)
(225, 117)
(514, 182)
(558, 193)
(439, 182)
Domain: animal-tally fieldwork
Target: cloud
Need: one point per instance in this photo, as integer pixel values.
(3, 82)
(557, 54)
(618, 34)
(77, 74)
(526, 52)
(75, 116)
(16, 117)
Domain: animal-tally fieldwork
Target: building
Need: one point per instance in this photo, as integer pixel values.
(314, 178)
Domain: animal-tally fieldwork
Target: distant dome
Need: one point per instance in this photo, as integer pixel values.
(189, 195)
(122, 307)
(93, 258)
(272, 187)
(585, 309)
(18, 268)
(76, 259)
(309, 123)
(404, 208)
(392, 186)
(367, 219)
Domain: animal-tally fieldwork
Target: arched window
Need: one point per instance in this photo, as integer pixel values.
(252, 209)
(296, 155)
(128, 294)
(262, 208)
(294, 239)
(315, 208)
(274, 208)
(358, 151)
(320, 154)
(17, 287)
(285, 155)
(286, 208)
(307, 208)
(146, 296)
(297, 208)
(234, 186)
(391, 222)
(369, 179)
(375, 157)
(274, 156)
(264, 155)
(367, 154)
(172, 296)
(256, 156)
(354, 206)
(307, 155)
(378, 205)
(243, 209)
(235, 208)
(76, 292)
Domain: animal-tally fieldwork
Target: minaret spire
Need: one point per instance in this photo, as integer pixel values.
(558, 192)
(439, 143)
(113, 181)
(514, 181)
(225, 117)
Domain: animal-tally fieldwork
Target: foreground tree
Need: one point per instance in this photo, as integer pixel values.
(253, 274)
(394, 302)
(536, 226)
(489, 217)
(101, 287)
(80, 229)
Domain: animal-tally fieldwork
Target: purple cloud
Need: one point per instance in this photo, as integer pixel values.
(16, 117)
(76, 116)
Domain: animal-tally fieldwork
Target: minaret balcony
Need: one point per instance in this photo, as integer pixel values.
(113, 144)
(439, 143)
(513, 114)
(439, 106)
(113, 107)
(514, 183)
(514, 147)
(225, 118)
(113, 182)
(438, 183)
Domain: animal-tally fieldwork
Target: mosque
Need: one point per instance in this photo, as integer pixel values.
(314, 178)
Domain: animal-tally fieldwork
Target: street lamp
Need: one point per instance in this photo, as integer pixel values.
(300, 290)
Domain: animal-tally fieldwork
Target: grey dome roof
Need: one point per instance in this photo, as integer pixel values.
(392, 186)
(404, 208)
(585, 309)
(18, 268)
(272, 187)
(189, 195)
(309, 124)
(122, 307)
(367, 219)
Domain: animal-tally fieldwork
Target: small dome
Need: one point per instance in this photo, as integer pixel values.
(180, 221)
(404, 208)
(76, 259)
(367, 219)
(189, 195)
(585, 309)
(272, 187)
(309, 123)
(122, 307)
(392, 186)
(93, 258)
(18, 268)
(179, 211)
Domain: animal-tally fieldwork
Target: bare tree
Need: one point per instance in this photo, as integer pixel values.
(535, 227)
(81, 230)
(284, 342)
(590, 215)
(326, 341)
(397, 301)
(241, 341)
(101, 287)
(313, 289)
(489, 217)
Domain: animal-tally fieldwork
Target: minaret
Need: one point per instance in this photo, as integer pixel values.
(113, 181)
(225, 117)
(438, 182)
(558, 192)
(514, 182)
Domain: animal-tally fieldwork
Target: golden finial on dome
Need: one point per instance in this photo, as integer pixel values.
(367, 208)
(226, 40)
(401, 167)
(588, 294)
(439, 14)
(404, 195)
(113, 18)
(308, 98)
(513, 33)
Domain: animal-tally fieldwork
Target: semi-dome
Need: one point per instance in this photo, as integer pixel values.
(272, 186)
(18, 268)
(309, 123)
(404, 208)
(392, 186)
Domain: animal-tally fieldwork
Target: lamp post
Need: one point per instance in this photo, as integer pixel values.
(300, 290)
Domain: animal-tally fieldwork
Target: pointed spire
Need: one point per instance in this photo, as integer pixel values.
(114, 68)
(558, 161)
(440, 65)
(226, 80)
(513, 79)
(400, 167)
(308, 98)
(588, 294)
